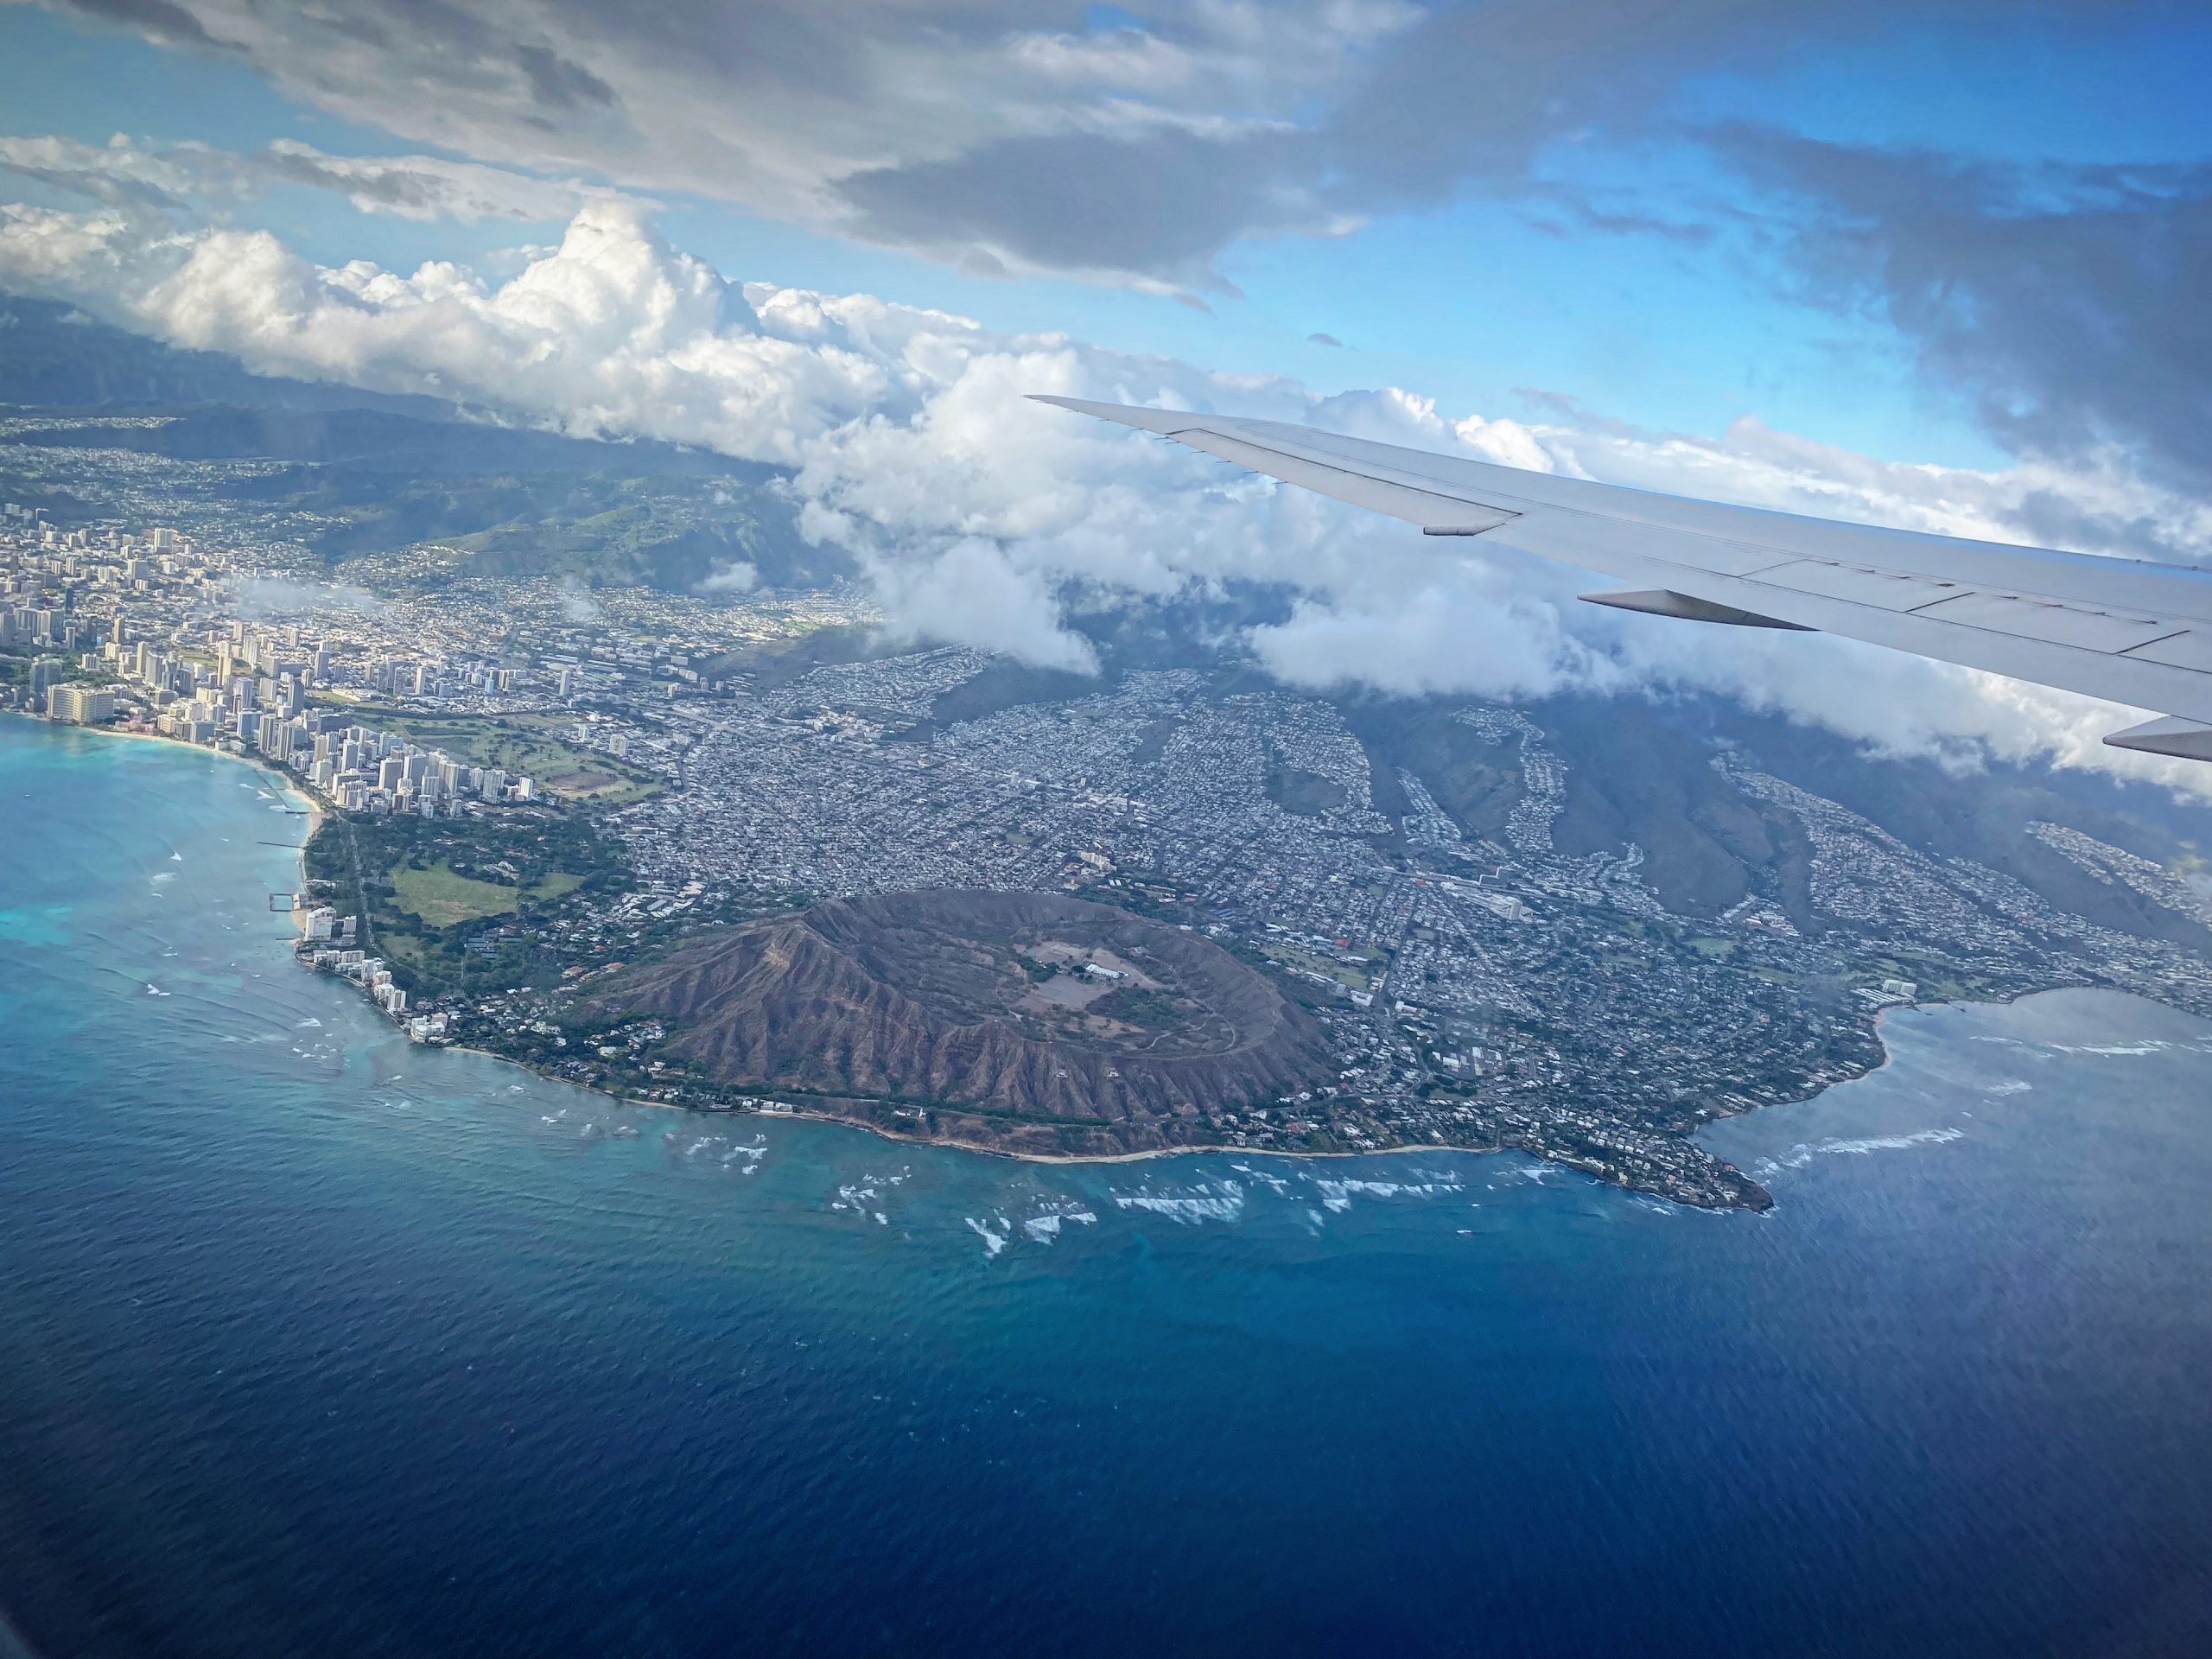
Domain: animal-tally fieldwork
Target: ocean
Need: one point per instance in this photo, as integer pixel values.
(314, 1343)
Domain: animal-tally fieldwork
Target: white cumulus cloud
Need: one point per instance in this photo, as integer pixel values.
(980, 517)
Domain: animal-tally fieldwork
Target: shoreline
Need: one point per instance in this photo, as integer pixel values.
(797, 1114)
(316, 814)
(1881, 1015)
(973, 1149)
(1146, 1156)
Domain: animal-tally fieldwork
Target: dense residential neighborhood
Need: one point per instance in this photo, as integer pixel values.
(526, 784)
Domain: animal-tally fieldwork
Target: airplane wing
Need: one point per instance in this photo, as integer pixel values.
(2126, 630)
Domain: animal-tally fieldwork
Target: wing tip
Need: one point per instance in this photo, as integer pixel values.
(1162, 421)
(2170, 734)
(1085, 405)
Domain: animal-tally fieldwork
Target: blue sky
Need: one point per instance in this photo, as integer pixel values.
(1468, 300)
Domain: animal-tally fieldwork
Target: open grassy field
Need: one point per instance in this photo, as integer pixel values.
(457, 905)
(1285, 954)
(525, 749)
(441, 896)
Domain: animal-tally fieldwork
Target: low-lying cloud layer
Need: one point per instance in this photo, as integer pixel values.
(982, 518)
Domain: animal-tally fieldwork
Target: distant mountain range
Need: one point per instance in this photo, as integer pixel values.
(377, 474)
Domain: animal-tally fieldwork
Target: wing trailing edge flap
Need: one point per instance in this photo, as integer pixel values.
(1664, 601)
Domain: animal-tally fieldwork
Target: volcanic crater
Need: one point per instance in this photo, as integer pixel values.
(1022, 1020)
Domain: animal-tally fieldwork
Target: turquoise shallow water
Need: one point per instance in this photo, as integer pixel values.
(317, 1342)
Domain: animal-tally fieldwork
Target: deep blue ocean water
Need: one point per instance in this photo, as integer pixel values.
(316, 1344)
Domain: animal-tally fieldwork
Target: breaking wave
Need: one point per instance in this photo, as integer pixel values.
(1803, 1153)
(993, 1243)
(1337, 1196)
(1046, 1228)
(1209, 1201)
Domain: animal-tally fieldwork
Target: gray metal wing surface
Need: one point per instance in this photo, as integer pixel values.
(2126, 630)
